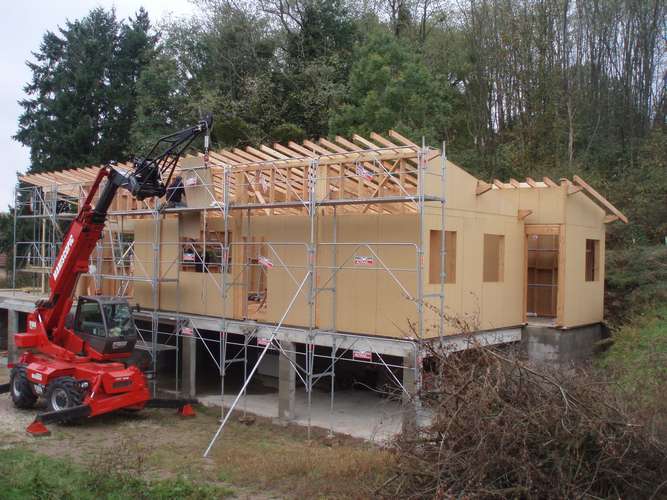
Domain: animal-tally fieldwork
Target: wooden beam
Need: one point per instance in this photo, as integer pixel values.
(515, 183)
(531, 182)
(483, 187)
(573, 189)
(385, 143)
(383, 182)
(364, 142)
(258, 153)
(291, 153)
(257, 192)
(395, 135)
(610, 218)
(549, 182)
(601, 199)
(230, 157)
(522, 214)
(273, 152)
(498, 184)
(317, 148)
(299, 148)
(349, 145)
(246, 155)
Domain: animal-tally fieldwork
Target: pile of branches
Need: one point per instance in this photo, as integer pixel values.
(500, 428)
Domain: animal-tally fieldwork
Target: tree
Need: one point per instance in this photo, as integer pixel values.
(159, 103)
(135, 51)
(81, 96)
(390, 87)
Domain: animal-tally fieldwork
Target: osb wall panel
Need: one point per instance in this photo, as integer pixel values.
(368, 299)
(547, 204)
(584, 300)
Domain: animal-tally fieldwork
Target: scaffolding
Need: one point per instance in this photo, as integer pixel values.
(376, 176)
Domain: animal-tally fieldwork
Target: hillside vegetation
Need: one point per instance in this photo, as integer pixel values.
(637, 307)
(515, 87)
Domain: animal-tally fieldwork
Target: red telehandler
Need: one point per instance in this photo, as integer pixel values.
(81, 365)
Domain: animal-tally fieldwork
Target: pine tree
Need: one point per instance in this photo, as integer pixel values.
(81, 99)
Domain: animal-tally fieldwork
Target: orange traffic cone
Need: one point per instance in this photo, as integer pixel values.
(187, 411)
(37, 429)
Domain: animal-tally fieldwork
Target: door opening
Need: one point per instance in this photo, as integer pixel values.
(542, 276)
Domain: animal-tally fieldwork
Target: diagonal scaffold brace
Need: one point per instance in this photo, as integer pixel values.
(254, 368)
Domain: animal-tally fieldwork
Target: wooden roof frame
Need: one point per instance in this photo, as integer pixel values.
(577, 185)
(378, 155)
(375, 153)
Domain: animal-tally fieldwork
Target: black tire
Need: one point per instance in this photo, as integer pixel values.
(20, 389)
(63, 393)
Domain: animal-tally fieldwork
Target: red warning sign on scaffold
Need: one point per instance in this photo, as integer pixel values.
(263, 342)
(186, 330)
(362, 260)
(265, 261)
(362, 355)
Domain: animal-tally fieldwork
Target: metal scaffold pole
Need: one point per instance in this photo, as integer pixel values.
(16, 209)
(225, 269)
(421, 167)
(313, 178)
(443, 243)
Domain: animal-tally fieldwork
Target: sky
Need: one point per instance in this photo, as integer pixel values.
(22, 26)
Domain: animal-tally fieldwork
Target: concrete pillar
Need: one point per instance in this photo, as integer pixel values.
(12, 328)
(189, 366)
(286, 382)
(410, 394)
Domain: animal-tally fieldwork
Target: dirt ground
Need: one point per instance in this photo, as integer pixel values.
(258, 459)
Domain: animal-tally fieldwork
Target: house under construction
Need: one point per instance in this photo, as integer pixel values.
(328, 254)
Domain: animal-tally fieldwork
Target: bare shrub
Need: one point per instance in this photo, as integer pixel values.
(501, 428)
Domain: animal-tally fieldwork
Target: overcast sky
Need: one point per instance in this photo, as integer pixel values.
(22, 26)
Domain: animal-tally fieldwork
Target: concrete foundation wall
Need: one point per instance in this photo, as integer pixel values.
(549, 345)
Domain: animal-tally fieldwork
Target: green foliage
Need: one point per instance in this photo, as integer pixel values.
(81, 98)
(635, 281)
(24, 474)
(390, 87)
(638, 359)
(515, 88)
(159, 103)
(288, 132)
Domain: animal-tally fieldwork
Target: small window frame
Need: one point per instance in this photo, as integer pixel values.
(592, 260)
(493, 266)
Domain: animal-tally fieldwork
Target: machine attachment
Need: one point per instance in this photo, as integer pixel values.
(38, 428)
(184, 406)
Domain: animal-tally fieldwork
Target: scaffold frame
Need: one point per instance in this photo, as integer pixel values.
(313, 179)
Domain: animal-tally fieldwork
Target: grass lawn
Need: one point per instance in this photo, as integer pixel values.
(639, 354)
(27, 474)
(157, 454)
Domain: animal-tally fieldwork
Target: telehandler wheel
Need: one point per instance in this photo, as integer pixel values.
(22, 394)
(63, 393)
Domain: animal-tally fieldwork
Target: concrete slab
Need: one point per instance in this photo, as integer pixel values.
(357, 413)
